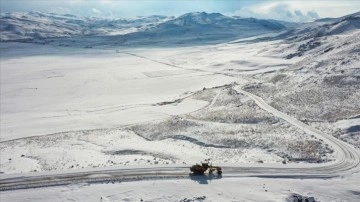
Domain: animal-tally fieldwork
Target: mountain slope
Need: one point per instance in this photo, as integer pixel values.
(38, 26)
(189, 28)
(202, 28)
(322, 88)
(309, 38)
(323, 27)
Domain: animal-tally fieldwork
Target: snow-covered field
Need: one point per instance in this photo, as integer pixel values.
(98, 89)
(276, 109)
(102, 108)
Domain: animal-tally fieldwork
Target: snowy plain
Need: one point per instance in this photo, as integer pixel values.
(108, 97)
(103, 103)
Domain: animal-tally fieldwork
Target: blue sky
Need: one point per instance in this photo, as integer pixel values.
(291, 10)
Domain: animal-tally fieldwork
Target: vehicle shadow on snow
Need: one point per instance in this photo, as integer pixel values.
(204, 179)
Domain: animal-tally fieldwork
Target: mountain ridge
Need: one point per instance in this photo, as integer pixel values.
(204, 27)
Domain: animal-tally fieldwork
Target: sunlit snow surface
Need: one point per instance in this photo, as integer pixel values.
(195, 189)
(67, 109)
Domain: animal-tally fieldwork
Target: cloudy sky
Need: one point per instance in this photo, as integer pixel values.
(290, 10)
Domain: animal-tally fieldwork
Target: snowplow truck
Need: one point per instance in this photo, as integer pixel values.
(201, 169)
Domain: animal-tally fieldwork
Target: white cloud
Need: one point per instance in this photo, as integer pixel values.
(313, 14)
(278, 9)
(96, 11)
(299, 10)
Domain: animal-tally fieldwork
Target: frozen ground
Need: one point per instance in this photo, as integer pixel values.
(89, 109)
(249, 134)
(90, 90)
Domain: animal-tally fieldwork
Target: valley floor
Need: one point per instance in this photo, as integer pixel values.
(66, 109)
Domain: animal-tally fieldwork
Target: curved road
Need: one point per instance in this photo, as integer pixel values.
(347, 157)
(347, 162)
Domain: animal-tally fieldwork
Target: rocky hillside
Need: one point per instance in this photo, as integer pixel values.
(322, 88)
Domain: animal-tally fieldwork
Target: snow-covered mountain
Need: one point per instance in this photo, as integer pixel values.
(323, 27)
(201, 27)
(38, 26)
(197, 27)
(190, 28)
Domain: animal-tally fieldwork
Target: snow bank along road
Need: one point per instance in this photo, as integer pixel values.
(347, 162)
